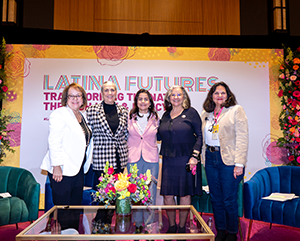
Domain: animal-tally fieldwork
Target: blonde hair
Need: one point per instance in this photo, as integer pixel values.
(186, 99)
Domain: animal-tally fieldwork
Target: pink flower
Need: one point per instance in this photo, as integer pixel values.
(291, 158)
(110, 171)
(0, 81)
(113, 189)
(296, 93)
(280, 93)
(100, 179)
(293, 78)
(4, 88)
(298, 159)
(281, 76)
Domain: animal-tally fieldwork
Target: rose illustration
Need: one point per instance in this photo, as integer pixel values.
(219, 54)
(41, 47)
(19, 66)
(112, 55)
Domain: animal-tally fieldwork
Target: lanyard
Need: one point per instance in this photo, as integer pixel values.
(217, 116)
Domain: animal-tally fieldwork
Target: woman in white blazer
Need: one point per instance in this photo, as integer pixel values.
(70, 153)
(225, 148)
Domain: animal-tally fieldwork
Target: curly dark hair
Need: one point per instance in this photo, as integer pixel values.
(135, 109)
(186, 104)
(209, 105)
(64, 98)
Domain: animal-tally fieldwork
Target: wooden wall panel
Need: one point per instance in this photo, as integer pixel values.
(120, 26)
(182, 28)
(221, 17)
(176, 11)
(86, 15)
(130, 10)
(61, 15)
(190, 17)
(232, 19)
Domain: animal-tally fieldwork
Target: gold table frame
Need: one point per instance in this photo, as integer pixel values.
(208, 234)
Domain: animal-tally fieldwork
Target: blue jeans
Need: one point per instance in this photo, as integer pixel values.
(223, 189)
(140, 216)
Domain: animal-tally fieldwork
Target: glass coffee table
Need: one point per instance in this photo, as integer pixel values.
(153, 220)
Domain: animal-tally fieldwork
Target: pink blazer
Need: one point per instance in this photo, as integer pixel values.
(145, 144)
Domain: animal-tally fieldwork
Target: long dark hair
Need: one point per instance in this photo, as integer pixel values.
(209, 105)
(135, 109)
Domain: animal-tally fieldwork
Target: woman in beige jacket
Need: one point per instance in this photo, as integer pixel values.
(225, 148)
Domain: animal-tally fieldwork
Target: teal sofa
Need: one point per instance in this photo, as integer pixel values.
(23, 205)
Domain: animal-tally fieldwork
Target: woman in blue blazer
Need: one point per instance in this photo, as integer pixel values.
(70, 153)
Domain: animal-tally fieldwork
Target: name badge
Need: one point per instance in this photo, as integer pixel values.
(215, 132)
(215, 129)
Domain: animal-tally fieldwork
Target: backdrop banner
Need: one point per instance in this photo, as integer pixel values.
(39, 74)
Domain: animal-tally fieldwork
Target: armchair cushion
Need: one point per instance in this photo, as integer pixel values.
(24, 203)
(282, 179)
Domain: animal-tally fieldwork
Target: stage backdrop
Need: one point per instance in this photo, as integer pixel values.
(37, 75)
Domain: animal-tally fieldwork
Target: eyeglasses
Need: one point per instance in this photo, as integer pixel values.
(72, 97)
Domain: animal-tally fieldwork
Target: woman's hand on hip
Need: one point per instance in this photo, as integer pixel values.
(238, 171)
(57, 174)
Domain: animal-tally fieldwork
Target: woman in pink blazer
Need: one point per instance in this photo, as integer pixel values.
(142, 144)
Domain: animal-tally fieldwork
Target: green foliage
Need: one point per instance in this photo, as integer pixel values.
(4, 119)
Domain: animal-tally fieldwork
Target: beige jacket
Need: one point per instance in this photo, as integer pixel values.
(233, 135)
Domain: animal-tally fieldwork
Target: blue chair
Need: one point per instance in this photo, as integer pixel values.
(282, 179)
(87, 198)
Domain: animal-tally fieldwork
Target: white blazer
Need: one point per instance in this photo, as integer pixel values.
(66, 143)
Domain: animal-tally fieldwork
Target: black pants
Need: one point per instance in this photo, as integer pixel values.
(68, 192)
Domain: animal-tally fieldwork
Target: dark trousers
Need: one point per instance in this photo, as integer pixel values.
(105, 215)
(223, 188)
(68, 192)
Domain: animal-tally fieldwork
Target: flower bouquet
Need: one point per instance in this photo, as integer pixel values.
(123, 186)
(289, 92)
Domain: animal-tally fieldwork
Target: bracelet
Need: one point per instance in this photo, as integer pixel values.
(196, 156)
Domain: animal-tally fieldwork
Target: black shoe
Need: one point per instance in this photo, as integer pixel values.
(181, 229)
(231, 237)
(172, 229)
(221, 235)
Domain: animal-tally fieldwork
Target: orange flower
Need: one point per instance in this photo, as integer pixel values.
(292, 130)
(296, 61)
(0, 66)
(295, 67)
